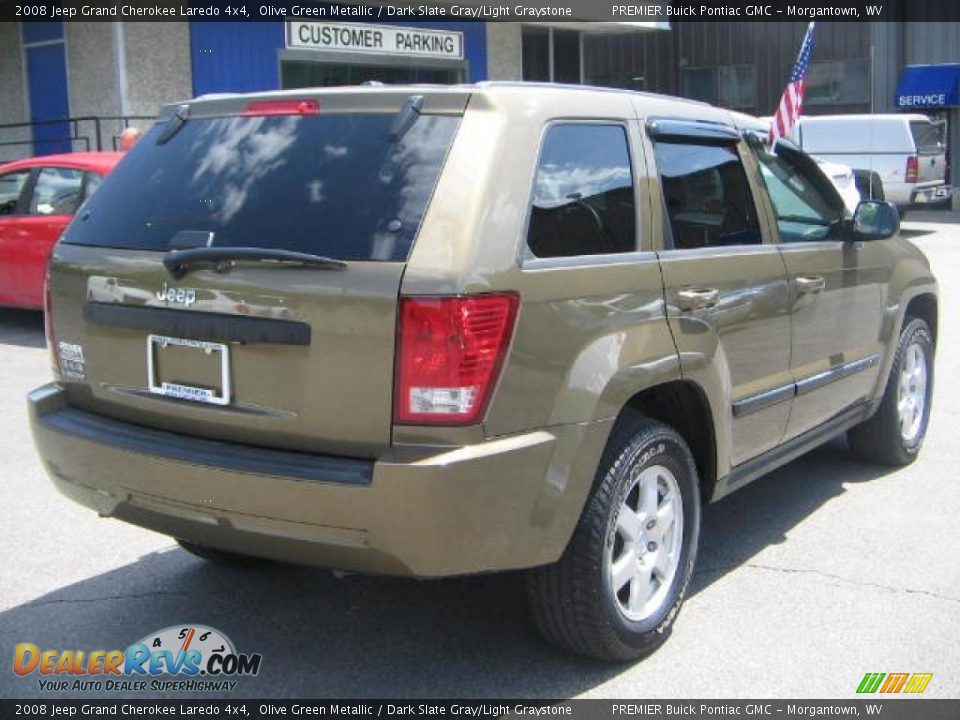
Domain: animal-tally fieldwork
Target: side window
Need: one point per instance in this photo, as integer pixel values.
(11, 187)
(58, 191)
(93, 182)
(707, 195)
(804, 212)
(583, 200)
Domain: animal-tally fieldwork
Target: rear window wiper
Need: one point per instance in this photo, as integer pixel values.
(179, 262)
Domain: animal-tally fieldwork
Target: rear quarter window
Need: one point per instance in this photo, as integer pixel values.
(927, 136)
(336, 185)
(583, 198)
(11, 190)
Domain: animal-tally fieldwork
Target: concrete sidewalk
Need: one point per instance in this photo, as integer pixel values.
(947, 217)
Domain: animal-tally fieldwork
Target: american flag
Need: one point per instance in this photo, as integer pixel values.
(792, 101)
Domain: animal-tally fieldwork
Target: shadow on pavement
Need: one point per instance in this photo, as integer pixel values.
(21, 327)
(741, 525)
(380, 637)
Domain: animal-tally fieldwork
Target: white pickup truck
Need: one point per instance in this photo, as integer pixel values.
(907, 152)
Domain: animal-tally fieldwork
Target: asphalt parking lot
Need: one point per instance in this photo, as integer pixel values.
(809, 578)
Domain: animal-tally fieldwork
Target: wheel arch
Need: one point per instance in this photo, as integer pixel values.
(684, 406)
(919, 301)
(923, 306)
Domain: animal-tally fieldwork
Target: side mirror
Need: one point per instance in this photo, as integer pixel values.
(875, 220)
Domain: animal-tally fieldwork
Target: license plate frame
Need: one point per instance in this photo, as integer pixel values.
(181, 391)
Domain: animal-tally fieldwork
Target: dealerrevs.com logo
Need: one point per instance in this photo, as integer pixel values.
(182, 657)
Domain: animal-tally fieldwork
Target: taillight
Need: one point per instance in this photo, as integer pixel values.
(449, 354)
(48, 325)
(913, 167)
(282, 107)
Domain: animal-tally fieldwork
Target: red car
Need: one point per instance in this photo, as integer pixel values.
(38, 198)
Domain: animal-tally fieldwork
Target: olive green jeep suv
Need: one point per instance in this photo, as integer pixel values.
(431, 331)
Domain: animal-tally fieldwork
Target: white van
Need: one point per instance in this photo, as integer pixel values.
(907, 152)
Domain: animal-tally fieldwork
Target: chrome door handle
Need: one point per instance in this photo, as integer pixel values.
(697, 298)
(809, 283)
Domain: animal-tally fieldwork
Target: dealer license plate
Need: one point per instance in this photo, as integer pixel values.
(193, 370)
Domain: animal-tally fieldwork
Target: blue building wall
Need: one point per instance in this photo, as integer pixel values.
(47, 83)
(34, 32)
(244, 57)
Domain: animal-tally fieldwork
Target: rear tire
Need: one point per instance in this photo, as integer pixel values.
(223, 558)
(895, 433)
(616, 591)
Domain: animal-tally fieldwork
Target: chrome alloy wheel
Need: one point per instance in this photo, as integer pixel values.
(912, 392)
(644, 556)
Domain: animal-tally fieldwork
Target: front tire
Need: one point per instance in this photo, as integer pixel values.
(617, 589)
(895, 433)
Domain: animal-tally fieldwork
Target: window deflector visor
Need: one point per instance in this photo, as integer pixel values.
(686, 131)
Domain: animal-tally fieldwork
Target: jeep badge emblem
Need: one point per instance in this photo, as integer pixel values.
(183, 296)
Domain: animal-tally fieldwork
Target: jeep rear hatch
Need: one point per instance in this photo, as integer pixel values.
(237, 276)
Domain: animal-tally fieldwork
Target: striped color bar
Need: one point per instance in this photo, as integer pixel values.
(894, 683)
(918, 682)
(871, 682)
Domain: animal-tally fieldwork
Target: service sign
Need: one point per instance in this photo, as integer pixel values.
(375, 39)
(927, 100)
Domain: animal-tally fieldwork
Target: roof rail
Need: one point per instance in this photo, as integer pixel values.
(592, 88)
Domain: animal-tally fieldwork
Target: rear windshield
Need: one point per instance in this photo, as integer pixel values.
(927, 136)
(333, 185)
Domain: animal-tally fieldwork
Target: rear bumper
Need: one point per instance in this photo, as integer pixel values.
(930, 195)
(907, 196)
(503, 504)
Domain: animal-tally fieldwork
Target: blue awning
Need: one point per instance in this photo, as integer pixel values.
(929, 86)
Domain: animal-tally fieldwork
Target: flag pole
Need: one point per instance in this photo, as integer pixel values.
(791, 102)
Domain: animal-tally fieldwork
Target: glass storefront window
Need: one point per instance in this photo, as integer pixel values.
(536, 54)
(622, 80)
(297, 74)
(838, 82)
(566, 55)
(699, 84)
(729, 86)
(738, 86)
